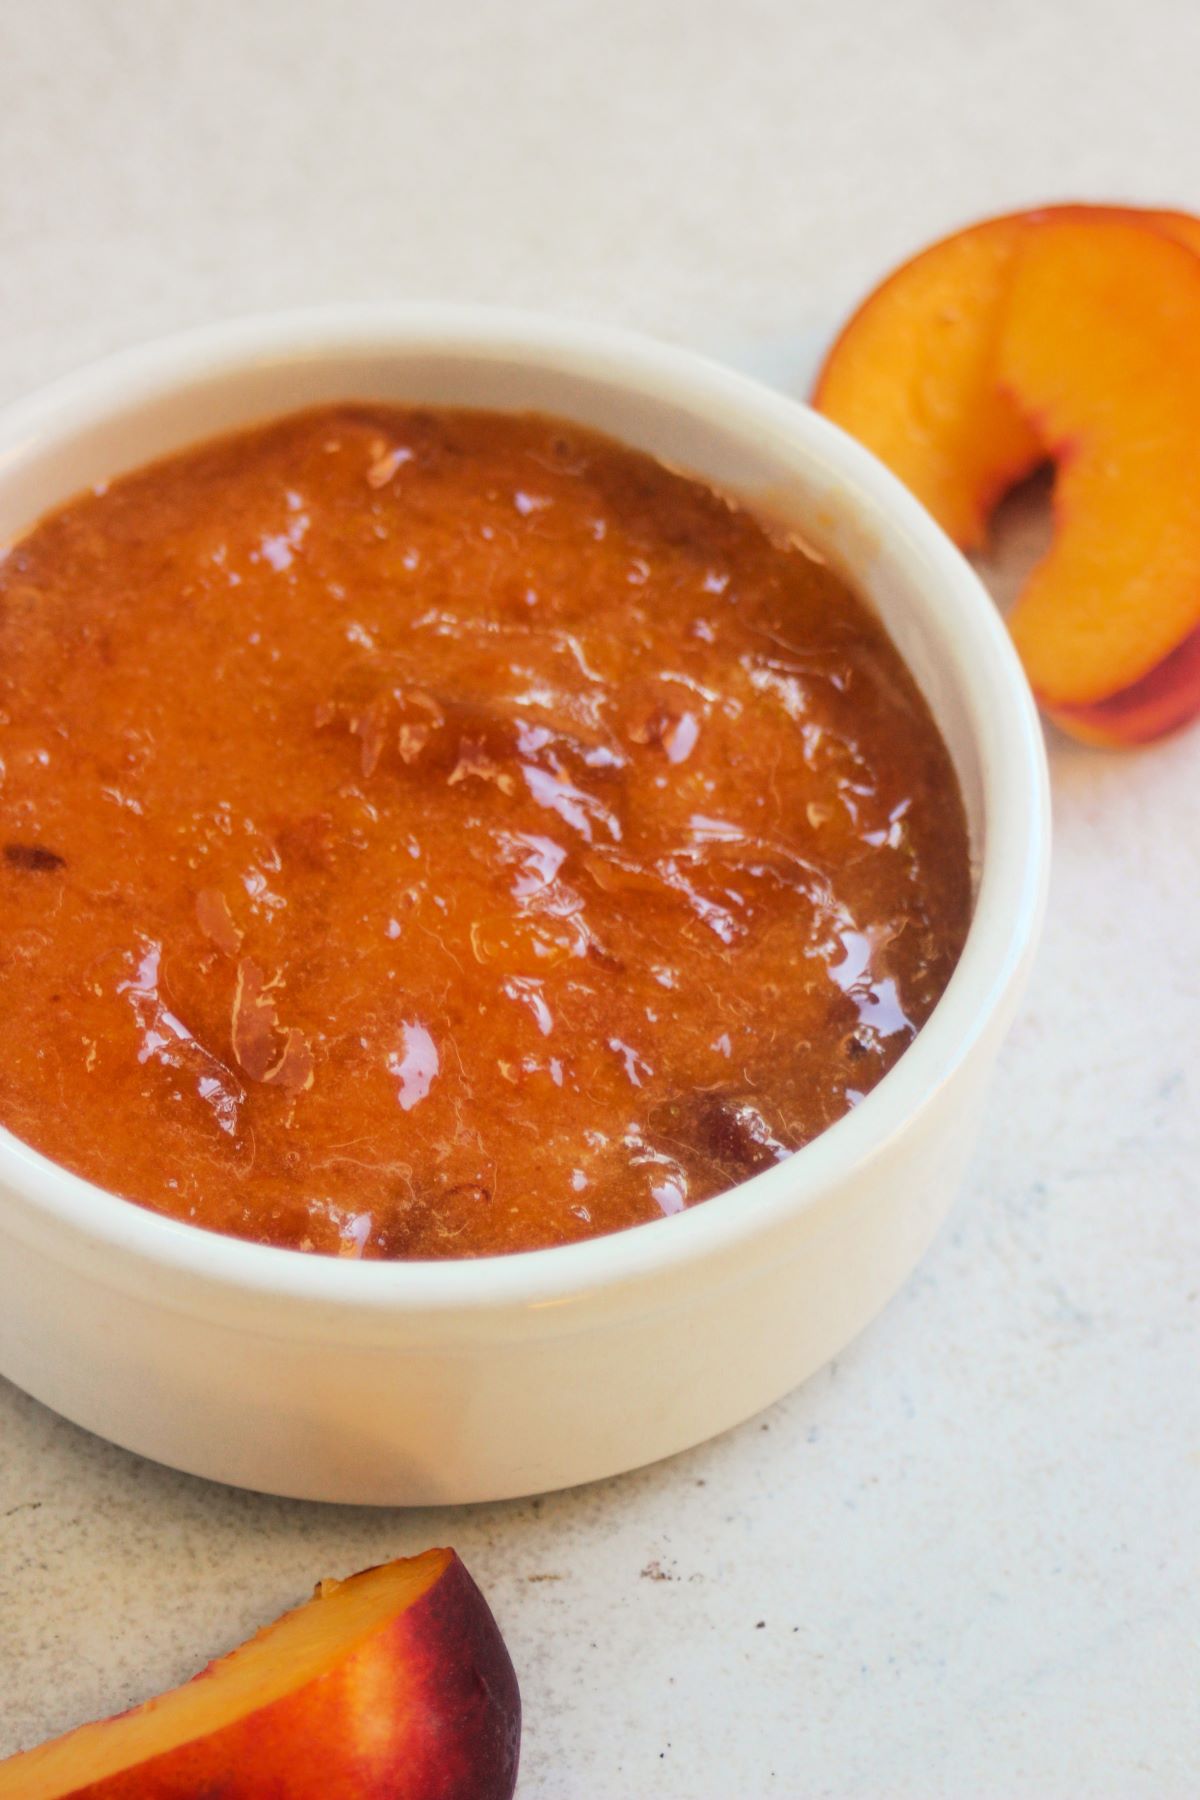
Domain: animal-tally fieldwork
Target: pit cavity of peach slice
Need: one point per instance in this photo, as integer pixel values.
(394, 1683)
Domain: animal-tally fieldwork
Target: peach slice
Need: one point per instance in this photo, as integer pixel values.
(913, 374)
(1021, 340)
(394, 1683)
(1100, 348)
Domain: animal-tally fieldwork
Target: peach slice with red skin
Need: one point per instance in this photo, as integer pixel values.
(938, 373)
(913, 374)
(1100, 348)
(393, 1685)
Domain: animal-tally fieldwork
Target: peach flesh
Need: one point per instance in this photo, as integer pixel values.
(913, 373)
(911, 376)
(916, 375)
(1164, 701)
(394, 1683)
(1100, 347)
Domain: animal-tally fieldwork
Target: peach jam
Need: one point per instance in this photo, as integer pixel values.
(436, 833)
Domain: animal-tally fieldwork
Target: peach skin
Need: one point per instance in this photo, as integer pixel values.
(393, 1685)
(1161, 702)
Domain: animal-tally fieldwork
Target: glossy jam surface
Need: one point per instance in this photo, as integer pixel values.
(436, 834)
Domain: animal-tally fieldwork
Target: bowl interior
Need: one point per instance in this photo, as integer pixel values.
(756, 445)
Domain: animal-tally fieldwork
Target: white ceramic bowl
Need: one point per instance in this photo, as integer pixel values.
(452, 1381)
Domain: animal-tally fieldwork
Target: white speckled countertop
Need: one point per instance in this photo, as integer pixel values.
(962, 1562)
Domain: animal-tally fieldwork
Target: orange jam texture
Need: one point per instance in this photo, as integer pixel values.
(432, 834)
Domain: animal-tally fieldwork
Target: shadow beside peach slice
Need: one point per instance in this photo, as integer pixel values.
(394, 1683)
(945, 372)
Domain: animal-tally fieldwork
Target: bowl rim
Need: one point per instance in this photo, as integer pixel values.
(1013, 873)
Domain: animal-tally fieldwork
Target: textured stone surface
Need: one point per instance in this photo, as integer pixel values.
(963, 1561)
